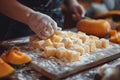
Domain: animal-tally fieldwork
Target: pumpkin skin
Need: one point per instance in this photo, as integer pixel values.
(5, 69)
(15, 57)
(99, 28)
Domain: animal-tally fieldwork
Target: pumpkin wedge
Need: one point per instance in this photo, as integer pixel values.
(5, 69)
(15, 57)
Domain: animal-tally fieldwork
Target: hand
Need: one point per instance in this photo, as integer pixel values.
(77, 10)
(43, 25)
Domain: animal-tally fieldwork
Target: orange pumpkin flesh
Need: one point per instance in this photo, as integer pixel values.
(16, 57)
(5, 69)
(99, 28)
(114, 36)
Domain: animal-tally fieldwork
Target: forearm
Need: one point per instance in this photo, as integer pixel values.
(68, 2)
(15, 10)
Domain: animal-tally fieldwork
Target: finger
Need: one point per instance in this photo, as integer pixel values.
(59, 28)
(52, 30)
(41, 29)
(41, 36)
(46, 31)
(75, 17)
(76, 11)
(54, 25)
(81, 11)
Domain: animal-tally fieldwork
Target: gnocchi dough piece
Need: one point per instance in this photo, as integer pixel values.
(72, 55)
(98, 43)
(47, 42)
(38, 44)
(56, 38)
(50, 51)
(67, 42)
(91, 45)
(86, 48)
(93, 37)
(105, 43)
(57, 45)
(77, 48)
(77, 41)
(84, 38)
(61, 51)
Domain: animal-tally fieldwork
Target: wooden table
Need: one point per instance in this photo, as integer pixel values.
(27, 73)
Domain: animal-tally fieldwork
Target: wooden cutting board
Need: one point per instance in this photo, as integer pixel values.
(56, 69)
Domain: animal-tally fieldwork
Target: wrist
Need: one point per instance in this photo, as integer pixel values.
(28, 16)
(69, 2)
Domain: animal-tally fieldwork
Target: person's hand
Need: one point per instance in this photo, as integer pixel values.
(43, 25)
(77, 11)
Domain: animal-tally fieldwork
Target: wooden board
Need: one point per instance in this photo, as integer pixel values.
(55, 69)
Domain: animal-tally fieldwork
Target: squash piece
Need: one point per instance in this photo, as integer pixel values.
(99, 28)
(114, 36)
(113, 33)
(5, 69)
(16, 57)
(50, 51)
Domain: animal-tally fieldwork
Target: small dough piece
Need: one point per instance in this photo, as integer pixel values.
(58, 32)
(92, 45)
(98, 43)
(73, 38)
(80, 33)
(38, 44)
(70, 33)
(77, 41)
(67, 42)
(47, 42)
(34, 38)
(56, 38)
(72, 55)
(86, 48)
(50, 51)
(84, 38)
(57, 45)
(93, 37)
(61, 51)
(105, 43)
(63, 34)
(77, 48)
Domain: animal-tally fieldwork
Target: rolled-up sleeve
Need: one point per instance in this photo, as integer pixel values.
(110, 4)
